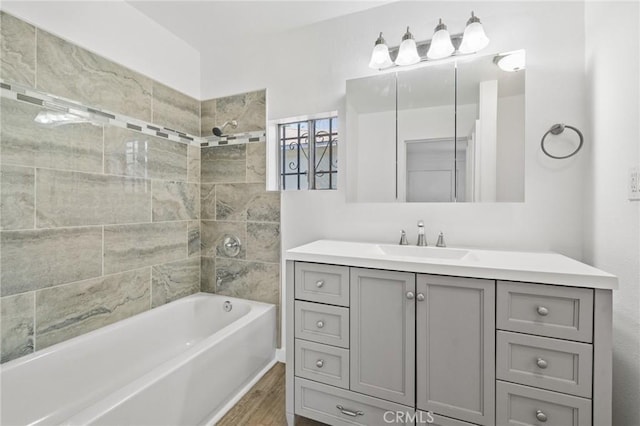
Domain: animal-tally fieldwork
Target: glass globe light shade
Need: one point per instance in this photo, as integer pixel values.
(441, 45)
(380, 56)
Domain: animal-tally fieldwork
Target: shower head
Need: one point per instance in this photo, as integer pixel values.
(218, 130)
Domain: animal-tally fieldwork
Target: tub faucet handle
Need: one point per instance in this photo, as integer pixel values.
(403, 239)
(441, 242)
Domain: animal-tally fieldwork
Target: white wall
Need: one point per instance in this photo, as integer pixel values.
(121, 33)
(612, 225)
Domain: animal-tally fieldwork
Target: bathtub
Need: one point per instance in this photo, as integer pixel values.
(179, 364)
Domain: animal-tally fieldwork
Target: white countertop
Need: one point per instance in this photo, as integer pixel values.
(536, 267)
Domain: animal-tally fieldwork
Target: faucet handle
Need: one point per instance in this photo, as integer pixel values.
(403, 239)
(420, 224)
(441, 242)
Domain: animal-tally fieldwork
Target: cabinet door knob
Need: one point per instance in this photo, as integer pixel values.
(420, 297)
(320, 283)
(542, 417)
(542, 311)
(320, 363)
(541, 363)
(410, 295)
(350, 413)
(320, 324)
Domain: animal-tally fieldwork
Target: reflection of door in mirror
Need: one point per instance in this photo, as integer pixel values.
(426, 132)
(429, 173)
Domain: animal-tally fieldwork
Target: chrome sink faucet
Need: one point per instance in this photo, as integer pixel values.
(422, 240)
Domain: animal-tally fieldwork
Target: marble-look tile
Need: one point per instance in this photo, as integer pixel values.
(16, 326)
(208, 117)
(208, 274)
(17, 50)
(208, 201)
(17, 197)
(247, 108)
(224, 164)
(194, 239)
(172, 281)
(247, 201)
(37, 259)
(26, 143)
(175, 110)
(68, 70)
(79, 199)
(67, 311)
(193, 164)
(257, 162)
(132, 153)
(129, 247)
(175, 201)
(213, 234)
(248, 280)
(263, 242)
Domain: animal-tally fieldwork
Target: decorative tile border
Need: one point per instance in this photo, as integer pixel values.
(101, 117)
(234, 139)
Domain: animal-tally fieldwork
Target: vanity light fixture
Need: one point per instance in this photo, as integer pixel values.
(441, 46)
(408, 51)
(510, 61)
(474, 38)
(380, 56)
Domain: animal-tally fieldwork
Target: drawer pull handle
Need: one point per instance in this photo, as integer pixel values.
(542, 363)
(320, 324)
(349, 413)
(420, 297)
(542, 311)
(320, 284)
(410, 295)
(320, 363)
(542, 417)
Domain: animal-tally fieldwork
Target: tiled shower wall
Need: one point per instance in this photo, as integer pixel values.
(98, 223)
(234, 202)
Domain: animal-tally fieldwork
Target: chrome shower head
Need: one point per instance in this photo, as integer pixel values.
(218, 130)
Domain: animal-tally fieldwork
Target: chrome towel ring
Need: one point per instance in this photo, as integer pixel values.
(556, 129)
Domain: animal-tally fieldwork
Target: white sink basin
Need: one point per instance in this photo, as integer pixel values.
(422, 252)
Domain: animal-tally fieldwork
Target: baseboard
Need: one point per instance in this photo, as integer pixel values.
(281, 355)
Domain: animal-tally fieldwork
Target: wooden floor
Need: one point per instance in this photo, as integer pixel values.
(263, 405)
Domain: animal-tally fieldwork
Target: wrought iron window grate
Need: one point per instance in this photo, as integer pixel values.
(309, 145)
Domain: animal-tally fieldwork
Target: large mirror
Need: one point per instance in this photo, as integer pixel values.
(443, 132)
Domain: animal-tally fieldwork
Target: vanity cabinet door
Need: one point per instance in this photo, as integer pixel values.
(383, 334)
(455, 338)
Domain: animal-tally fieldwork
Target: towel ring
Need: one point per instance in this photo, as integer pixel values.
(556, 129)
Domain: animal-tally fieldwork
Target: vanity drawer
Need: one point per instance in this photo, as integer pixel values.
(557, 365)
(342, 407)
(322, 283)
(322, 363)
(521, 405)
(546, 310)
(322, 323)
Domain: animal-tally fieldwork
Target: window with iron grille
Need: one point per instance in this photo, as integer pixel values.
(309, 145)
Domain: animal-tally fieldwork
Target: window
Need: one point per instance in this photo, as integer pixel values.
(309, 144)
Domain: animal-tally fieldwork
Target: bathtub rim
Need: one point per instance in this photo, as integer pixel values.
(74, 341)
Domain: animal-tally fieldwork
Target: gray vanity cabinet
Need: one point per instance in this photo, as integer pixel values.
(455, 350)
(383, 334)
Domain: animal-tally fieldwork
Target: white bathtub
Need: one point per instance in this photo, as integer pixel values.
(178, 364)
